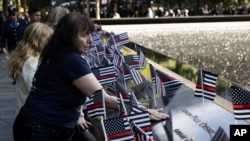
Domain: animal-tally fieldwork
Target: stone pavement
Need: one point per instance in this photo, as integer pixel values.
(7, 102)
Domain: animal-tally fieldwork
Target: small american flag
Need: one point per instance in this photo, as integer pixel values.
(152, 73)
(117, 41)
(141, 118)
(206, 85)
(126, 72)
(118, 129)
(109, 53)
(96, 105)
(160, 89)
(142, 58)
(120, 90)
(117, 59)
(105, 74)
(170, 83)
(111, 90)
(132, 61)
(220, 135)
(139, 134)
(137, 76)
(241, 102)
(100, 49)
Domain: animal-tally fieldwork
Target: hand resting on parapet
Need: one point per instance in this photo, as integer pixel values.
(157, 114)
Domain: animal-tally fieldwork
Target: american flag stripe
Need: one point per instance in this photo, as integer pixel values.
(121, 90)
(96, 113)
(132, 61)
(137, 77)
(126, 72)
(239, 106)
(142, 58)
(120, 136)
(241, 102)
(109, 53)
(141, 119)
(100, 49)
(118, 129)
(206, 94)
(153, 73)
(139, 133)
(111, 90)
(119, 40)
(105, 74)
(169, 83)
(220, 135)
(243, 116)
(206, 85)
(95, 104)
(117, 59)
(159, 86)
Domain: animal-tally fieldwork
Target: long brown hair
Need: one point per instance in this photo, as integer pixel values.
(65, 35)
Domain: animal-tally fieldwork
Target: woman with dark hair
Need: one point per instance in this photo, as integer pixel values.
(61, 84)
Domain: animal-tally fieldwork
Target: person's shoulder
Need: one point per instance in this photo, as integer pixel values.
(73, 57)
(31, 62)
(22, 21)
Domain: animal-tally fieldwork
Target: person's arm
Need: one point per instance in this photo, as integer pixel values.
(88, 84)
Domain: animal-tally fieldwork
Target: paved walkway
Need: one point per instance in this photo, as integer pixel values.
(7, 102)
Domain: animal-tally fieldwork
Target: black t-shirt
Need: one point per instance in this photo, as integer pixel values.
(53, 98)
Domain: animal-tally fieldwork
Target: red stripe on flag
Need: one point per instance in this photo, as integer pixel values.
(241, 106)
(93, 106)
(133, 63)
(119, 135)
(147, 128)
(105, 76)
(209, 88)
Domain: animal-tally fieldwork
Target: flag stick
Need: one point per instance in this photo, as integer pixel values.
(104, 131)
(123, 105)
(203, 99)
(104, 106)
(98, 58)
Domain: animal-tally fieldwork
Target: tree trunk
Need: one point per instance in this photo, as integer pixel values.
(97, 9)
(5, 7)
(87, 7)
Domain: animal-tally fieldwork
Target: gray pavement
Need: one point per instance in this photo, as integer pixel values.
(7, 102)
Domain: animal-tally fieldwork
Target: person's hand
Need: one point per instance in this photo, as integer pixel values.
(82, 124)
(157, 114)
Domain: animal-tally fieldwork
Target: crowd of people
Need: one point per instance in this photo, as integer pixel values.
(51, 77)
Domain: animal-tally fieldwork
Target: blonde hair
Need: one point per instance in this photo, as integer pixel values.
(35, 37)
(55, 16)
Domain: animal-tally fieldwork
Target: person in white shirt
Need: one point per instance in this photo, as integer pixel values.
(116, 15)
(150, 13)
(23, 61)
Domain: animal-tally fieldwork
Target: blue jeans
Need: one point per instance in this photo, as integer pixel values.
(27, 129)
